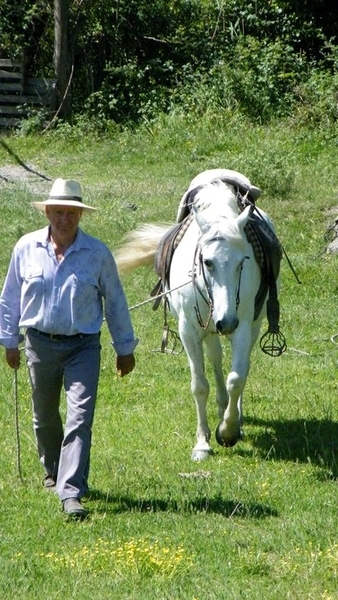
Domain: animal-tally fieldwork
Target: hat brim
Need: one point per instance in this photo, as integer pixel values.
(42, 205)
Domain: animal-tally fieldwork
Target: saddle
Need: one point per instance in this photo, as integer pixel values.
(164, 254)
(268, 253)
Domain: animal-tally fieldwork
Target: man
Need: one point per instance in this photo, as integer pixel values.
(57, 281)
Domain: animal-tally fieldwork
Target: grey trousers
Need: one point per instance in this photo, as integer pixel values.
(73, 364)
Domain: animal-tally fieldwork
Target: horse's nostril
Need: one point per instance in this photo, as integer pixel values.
(226, 327)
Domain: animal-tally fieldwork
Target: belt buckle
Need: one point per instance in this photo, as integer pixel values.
(53, 337)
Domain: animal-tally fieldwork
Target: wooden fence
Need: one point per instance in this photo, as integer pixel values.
(20, 95)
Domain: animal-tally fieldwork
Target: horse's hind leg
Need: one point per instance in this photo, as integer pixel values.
(200, 392)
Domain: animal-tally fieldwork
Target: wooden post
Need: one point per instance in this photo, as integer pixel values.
(61, 58)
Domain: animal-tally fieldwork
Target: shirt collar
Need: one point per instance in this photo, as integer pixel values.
(81, 240)
(41, 236)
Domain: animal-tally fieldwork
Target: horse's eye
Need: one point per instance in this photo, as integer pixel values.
(208, 263)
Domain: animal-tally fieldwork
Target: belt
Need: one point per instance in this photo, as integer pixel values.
(58, 337)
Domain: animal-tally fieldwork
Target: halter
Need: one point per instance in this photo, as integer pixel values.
(208, 299)
(197, 288)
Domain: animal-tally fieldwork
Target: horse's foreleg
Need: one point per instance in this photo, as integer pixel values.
(229, 430)
(214, 354)
(200, 392)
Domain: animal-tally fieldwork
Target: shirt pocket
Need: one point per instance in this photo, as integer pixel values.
(33, 281)
(85, 295)
(32, 273)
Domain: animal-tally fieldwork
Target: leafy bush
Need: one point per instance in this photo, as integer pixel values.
(317, 104)
(134, 59)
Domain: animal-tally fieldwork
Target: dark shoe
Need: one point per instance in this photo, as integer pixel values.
(73, 508)
(49, 482)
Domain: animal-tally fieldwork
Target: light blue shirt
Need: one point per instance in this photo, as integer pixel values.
(64, 297)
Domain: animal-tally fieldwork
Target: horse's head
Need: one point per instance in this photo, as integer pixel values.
(223, 249)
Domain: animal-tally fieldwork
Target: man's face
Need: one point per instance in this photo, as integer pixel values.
(64, 220)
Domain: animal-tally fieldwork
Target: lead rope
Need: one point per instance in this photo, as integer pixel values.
(17, 427)
(161, 295)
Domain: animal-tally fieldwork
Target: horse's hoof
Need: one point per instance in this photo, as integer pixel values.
(198, 454)
(229, 442)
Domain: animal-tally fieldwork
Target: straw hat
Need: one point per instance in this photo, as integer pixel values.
(64, 192)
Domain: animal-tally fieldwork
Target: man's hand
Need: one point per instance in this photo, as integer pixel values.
(125, 364)
(13, 357)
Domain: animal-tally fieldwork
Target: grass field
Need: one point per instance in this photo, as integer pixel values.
(256, 521)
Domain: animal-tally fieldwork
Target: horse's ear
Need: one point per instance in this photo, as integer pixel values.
(242, 219)
(200, 219)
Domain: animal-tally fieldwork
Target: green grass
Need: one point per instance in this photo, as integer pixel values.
(255, 521)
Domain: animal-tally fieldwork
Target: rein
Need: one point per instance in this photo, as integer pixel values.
(209, 300)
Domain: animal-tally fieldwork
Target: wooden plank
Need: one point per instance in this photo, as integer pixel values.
(13, 110)
(22, 108)
(10, 75)
(20, 99)
(11, 87)
(11, 98)
(8, 62)
(4, 122)
(19, 95)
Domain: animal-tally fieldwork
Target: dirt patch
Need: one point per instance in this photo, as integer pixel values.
(11, 175)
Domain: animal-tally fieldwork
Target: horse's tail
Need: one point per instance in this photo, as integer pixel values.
(139, 247)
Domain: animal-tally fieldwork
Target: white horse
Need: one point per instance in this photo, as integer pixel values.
(211, 288)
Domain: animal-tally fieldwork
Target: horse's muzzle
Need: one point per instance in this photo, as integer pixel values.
(227, 326)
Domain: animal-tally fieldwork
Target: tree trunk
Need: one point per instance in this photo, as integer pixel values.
(62, 59)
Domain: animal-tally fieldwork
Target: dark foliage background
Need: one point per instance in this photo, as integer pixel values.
(134, 59)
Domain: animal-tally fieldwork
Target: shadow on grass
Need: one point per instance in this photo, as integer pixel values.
(307, 441)
(216, 505)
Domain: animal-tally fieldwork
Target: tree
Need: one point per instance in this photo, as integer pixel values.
(62, 61)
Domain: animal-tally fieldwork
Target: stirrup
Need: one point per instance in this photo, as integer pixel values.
(273, 343)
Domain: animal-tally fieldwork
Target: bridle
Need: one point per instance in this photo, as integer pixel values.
(198, 268)
(209, 300)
